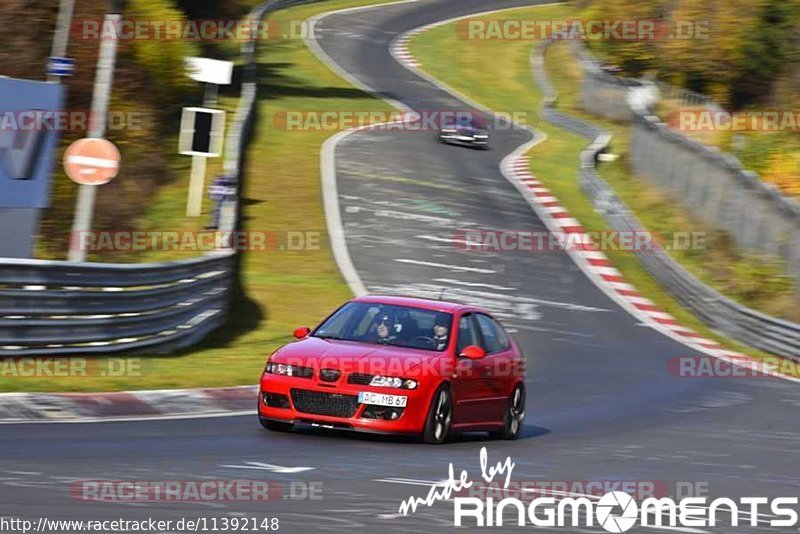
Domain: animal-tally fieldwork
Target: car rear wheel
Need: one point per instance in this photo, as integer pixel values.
(440, 416)
(513, 415)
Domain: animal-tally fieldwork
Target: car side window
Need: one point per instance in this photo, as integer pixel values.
(494, 338)
(466, 333)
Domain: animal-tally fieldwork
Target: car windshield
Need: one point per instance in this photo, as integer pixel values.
(385, 324)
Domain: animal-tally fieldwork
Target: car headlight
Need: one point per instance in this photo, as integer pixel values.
(282, 369)
(393, 382)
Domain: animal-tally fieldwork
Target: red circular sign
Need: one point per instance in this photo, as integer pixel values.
(92, 161)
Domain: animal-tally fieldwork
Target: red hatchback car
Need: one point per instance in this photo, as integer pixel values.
(400, 366)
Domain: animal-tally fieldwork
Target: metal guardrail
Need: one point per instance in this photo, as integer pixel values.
(720, 313)
(65, 308)
(60, 308)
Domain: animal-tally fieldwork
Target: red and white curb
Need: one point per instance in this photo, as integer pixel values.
(400, 49)
(596, 264)
(127, 405)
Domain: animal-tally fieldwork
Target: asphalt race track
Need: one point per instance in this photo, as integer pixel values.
(601, 404)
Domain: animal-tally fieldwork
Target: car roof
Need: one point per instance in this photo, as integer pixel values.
(414, 302)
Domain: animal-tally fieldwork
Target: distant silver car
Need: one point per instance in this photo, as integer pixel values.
(465, 133)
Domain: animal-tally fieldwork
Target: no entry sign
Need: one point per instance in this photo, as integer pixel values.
(92, 161)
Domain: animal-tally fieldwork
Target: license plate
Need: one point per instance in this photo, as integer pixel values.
(382, 399)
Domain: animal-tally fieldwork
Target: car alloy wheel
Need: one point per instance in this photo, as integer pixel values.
(513, 416)
(440, 416)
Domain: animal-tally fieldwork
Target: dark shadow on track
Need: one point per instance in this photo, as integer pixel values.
(528, 432)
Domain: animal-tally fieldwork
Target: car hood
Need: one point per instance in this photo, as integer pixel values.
(353, 357)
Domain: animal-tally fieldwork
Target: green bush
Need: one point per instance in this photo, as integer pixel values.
(162, 60)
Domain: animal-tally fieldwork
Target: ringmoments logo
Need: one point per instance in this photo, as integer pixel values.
(616, 522)
(615, 511)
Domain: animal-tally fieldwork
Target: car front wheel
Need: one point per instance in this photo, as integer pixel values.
(513, 415)
(440, 416)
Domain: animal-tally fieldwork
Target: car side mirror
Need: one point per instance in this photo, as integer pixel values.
(301, 332)
(473, 352)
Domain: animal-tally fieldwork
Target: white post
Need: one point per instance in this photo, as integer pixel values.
(84, 210)
(61, 36)
(196, 186)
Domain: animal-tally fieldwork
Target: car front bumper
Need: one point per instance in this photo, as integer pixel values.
(300, 400)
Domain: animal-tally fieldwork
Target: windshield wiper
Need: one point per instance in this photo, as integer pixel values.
(335, 338)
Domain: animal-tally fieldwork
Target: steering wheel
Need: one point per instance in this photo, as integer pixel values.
(428, 340)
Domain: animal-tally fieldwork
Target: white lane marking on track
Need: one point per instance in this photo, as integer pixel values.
(411, 481)
(271, 467)
(554, 303)
(445, 266)
(484, 297)
(406, 215)
(436, 239)
(474, 284)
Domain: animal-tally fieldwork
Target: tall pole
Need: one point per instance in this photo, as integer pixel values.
(61, 36)
(104, 78)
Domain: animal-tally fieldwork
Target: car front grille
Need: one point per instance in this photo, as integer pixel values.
(320, 403)
(303, 372)
(359, 379)
(329, 375)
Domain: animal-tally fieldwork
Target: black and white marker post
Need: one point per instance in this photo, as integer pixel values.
(202, 129)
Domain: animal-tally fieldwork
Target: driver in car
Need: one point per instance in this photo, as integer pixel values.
(440, 334)
(387, 329)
